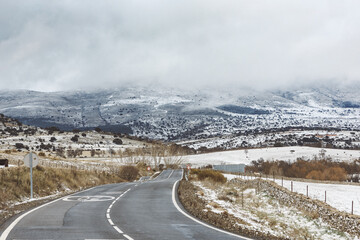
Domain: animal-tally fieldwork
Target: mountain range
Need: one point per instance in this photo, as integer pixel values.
(172, 114)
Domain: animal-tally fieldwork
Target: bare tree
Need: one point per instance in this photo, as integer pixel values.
(173, 156)
(157, 153)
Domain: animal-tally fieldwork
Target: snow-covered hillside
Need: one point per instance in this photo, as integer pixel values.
(170, 114)
(293, 137)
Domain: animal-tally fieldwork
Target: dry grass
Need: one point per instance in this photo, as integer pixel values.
(15, 182)
(209, 174)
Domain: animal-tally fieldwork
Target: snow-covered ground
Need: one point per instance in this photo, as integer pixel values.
(264, 214)
(283, 153)
(294, 137)
(339, 196)
(10, 165)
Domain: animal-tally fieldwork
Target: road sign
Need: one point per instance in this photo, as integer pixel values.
(148, 168)
(27, 160)
(188, 167)
(31, 160)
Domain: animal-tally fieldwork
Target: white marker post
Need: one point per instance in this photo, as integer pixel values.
(31, 160)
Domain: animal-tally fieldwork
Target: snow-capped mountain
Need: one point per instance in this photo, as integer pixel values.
(170, 114)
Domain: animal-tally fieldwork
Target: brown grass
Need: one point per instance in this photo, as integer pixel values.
(210, 174)
(15, 182)
(15, 185)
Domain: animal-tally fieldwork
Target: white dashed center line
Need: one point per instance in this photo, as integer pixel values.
(109, 218)
(128, 237)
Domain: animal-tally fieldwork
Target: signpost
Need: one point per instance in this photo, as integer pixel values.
(31, 160)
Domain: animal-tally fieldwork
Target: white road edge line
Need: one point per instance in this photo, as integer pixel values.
(128, 237)
(5, 234)
(198, 221)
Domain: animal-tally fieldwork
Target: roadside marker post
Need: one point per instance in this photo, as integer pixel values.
(307, 190)
(187, 172)
(31, 160)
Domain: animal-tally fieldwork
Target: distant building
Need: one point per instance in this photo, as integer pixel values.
(231, 168)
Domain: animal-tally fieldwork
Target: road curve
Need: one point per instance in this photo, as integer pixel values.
(138, 211)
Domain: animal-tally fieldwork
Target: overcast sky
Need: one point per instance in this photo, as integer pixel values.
(68, 44)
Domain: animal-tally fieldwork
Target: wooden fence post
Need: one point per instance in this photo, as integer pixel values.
(242, 199)
(307, 190)
(325, 196)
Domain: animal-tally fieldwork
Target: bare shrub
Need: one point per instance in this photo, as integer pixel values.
(129, 173)
(335, 174)
(315, 175)
(41, 154)
(209, 174)
(118, 141)
(75, 138)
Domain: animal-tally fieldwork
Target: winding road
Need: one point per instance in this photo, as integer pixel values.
(137, 210)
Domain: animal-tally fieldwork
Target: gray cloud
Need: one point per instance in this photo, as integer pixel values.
(64, 45)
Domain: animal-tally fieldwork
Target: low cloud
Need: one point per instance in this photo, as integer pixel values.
(66, 45)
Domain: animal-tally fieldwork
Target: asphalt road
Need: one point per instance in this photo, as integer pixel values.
(139, 211)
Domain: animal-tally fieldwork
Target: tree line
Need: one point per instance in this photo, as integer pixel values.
(317, 169)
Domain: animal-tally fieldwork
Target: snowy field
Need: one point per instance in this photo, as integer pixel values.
(283, 153)
(339, 196)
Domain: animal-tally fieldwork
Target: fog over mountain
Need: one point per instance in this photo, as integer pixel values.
(77, 45)
(171, 114)
(174, 69)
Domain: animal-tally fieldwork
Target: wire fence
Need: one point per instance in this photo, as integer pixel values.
(344, 197)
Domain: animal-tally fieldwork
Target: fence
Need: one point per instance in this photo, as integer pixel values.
(344, 197)
(339, 220)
